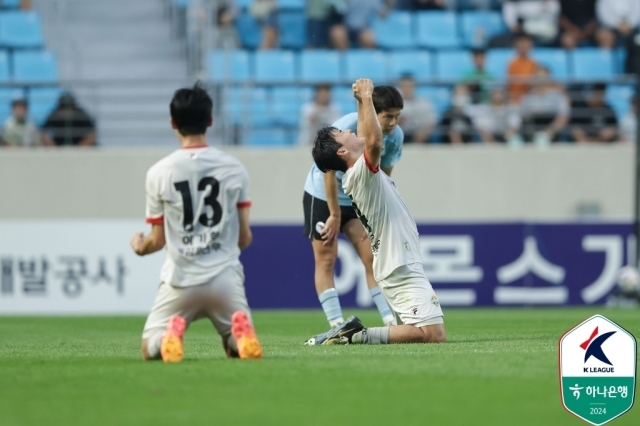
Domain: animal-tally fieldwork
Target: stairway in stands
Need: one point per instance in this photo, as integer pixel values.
(119, 58)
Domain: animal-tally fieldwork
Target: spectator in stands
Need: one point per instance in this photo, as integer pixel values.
(497, 121)
(428, 5)
(325, 27)
(266, 13)
(619, 21)
(544, 110)
(577, 22)
(592, 119)
(629, 123)
(536, 18)
(478, 79)
(68, 124)
(319, 113)
(358, 20)
(418, 117)
(521, 68)
(456, 123)
(18, 130)
(25, 4)
(225, 35)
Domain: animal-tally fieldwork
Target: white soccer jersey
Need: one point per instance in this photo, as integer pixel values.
(196, 193)
(385, 217)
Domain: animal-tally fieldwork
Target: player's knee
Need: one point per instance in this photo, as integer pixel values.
(326, 263)
(434, 334)
(145, 351)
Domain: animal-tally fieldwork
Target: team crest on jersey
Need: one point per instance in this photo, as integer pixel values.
(434, 300)
(415, 310)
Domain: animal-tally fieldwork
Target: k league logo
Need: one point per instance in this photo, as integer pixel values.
(597, 370)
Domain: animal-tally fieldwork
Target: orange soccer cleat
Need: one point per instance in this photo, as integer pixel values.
(245, 336)
(172, 349)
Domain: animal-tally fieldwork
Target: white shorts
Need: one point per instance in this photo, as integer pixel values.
(216, 300)
(411, 297)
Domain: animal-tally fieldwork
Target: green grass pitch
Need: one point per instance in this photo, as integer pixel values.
(498, 368)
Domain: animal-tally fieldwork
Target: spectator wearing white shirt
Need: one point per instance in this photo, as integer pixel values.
(537, 18)
(619, 20)
(629, 123)
(18, 130)
(497, 121)
(315, 115)
(418, 117)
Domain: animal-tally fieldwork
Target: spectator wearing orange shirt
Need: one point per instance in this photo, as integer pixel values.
(521, 69)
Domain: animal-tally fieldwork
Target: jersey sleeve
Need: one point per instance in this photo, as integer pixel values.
(393, 149)
(244, 200)
(358, 175)
(155, 206)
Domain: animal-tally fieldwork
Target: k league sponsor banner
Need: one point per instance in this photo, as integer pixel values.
(87, 267)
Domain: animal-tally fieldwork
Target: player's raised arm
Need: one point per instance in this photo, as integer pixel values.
(368, 125)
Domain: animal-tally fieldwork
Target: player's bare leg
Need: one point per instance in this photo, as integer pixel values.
(325, 260)
(355, 233)
(245, 337)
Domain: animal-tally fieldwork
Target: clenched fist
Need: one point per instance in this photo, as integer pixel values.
(363, 87)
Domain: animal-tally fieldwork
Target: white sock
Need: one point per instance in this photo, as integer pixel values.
(153, 345)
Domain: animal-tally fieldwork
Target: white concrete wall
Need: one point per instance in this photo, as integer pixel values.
(438, 183)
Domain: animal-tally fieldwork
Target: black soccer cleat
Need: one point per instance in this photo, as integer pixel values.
(339, 334)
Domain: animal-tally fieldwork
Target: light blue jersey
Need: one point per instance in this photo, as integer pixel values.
(391, 153)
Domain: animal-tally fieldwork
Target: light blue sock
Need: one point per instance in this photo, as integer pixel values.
(385, 312)
(331, 306)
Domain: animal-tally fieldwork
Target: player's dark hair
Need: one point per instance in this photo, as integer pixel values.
(191, 110)
(325, 151)
(385, 98)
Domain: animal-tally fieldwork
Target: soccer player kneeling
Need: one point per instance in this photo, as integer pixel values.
(397, 265)
(198, 205)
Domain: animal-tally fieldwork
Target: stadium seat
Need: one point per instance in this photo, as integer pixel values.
(438, 30)
(498, 61)
(479, 26)
(554, 59)
(35, 66)
(291, 4)
(343, 96)
(286, 102)
(42, 100)
(293, 30)
(267, 137)
(4, 66)
(320, 66)
(618, 96)
(274, 66)
(440, 97)
(232, 66)
(414, 62)
(20, 29)
(366, 64)
(395, 31)
(11, 4)
(244, 3)
(453, 64)
(619, 60)
(592, 63)
(249, 31)
(247, 106)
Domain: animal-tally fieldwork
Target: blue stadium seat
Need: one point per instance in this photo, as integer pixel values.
(249, 31)
(554, 59)
(498, 61)
(42, 101)
(453, 64)
(366, 64)
(343, 96)
(394, 31)
(232, 66)
(247, 106)
(293, 30)
(274, 66)
(244, 3)
(415, 62)
(266, 137)
(438, 29)
(291, 4)
(320, 66)
(440, 97)
(618, 96)
(286, 102)
(592, 63)
(4, 66)
(10, 4)
(619, 60)
(20, 29)
(35, 66)
(479, 26)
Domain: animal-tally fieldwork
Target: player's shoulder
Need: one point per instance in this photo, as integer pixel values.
(161, 166)
(348, 121)
(397, 135)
